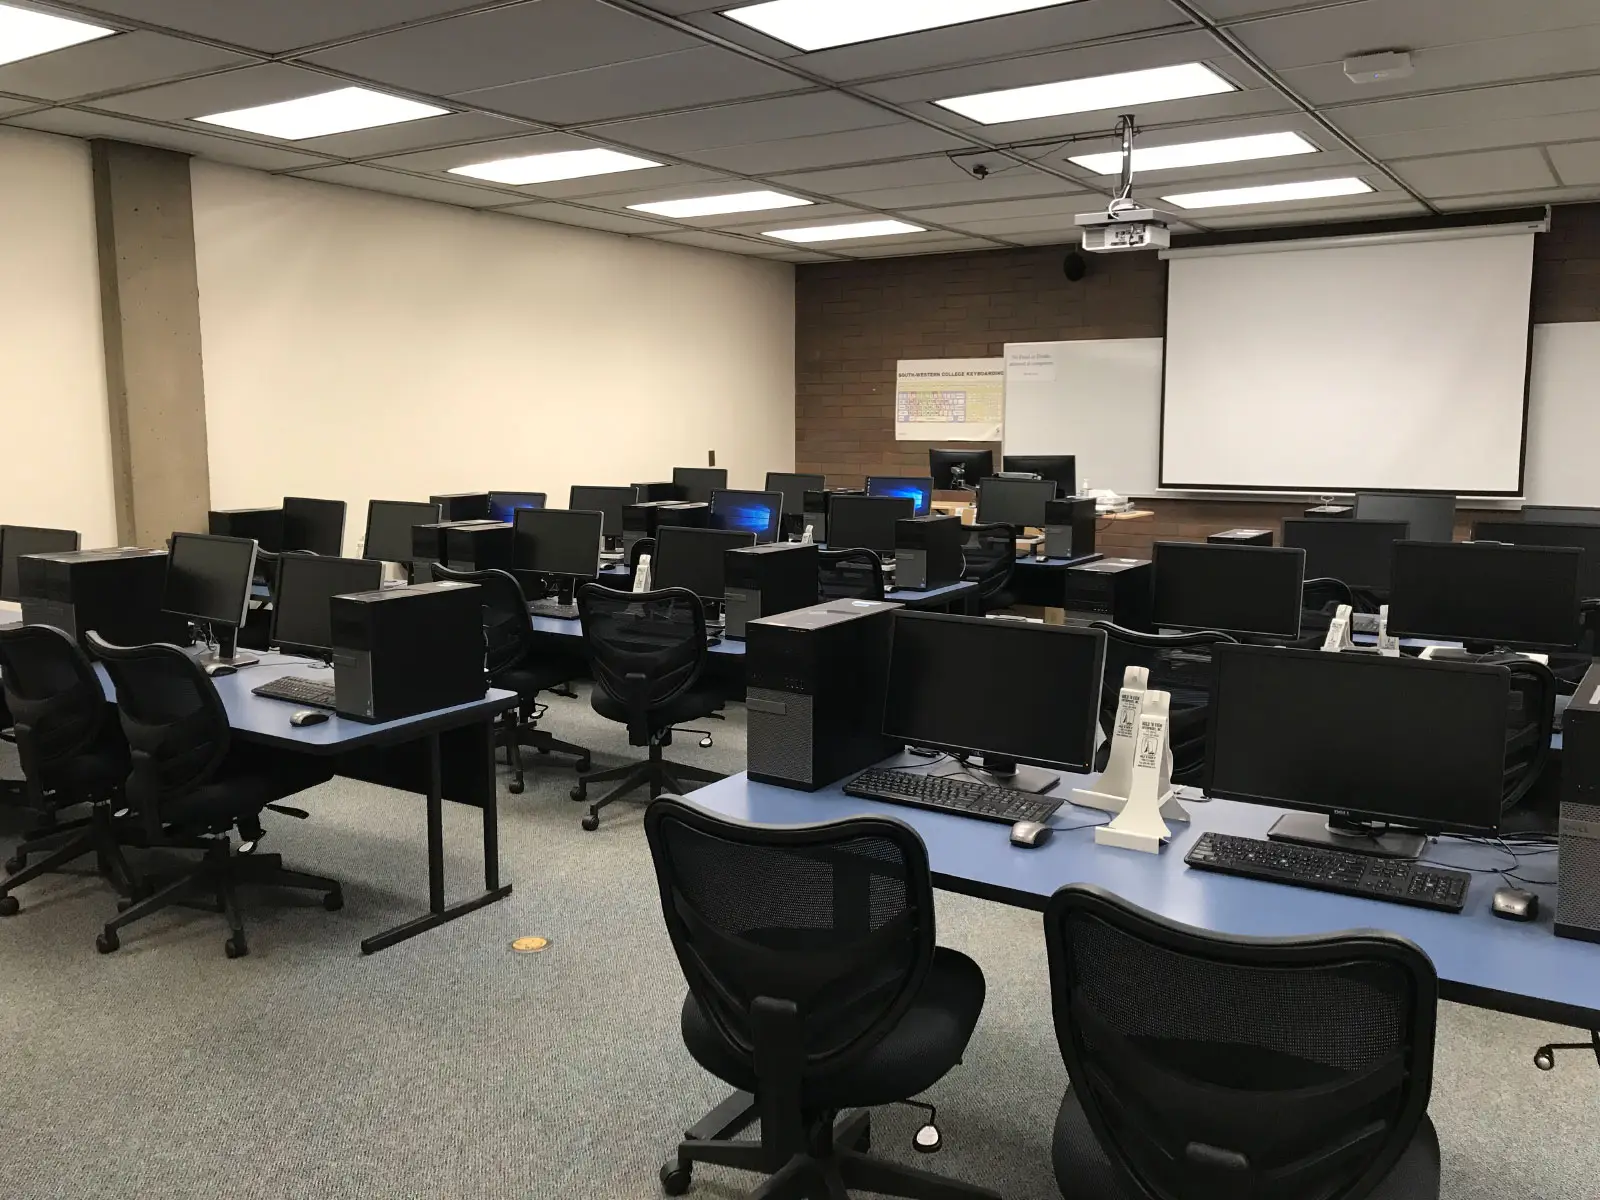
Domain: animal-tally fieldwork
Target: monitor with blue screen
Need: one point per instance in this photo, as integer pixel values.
(503, 506)
(750, 512)
(917, 489)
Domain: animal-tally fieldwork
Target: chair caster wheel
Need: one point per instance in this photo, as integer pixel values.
(107, 942)
(9, 906)
(675, 1178)
(1545, 1059)
(584, 765)
(579, 794)
(591, 823)
(515, 787)
(235, 947)
(124, 903)
(333, 901)
(15, 863)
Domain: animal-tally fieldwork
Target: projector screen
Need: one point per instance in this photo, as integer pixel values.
(1336, 368)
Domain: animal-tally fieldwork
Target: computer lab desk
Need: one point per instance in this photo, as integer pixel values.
(447, 754)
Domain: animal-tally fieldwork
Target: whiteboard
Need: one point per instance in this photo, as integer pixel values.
(1564, 415)
(1099, 400)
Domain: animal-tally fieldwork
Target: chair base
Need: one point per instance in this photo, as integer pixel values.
(220, 873)
(660, 775)
(100, 834)
(514, 734)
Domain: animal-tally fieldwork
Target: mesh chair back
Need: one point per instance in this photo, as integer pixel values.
(837, 918)
(1180, 665)
(1529, 726)
(991, 554)
(54, 696)
(645, 648)
(173, 719)
(507, 626)
(849, 575)
(1212, 1067)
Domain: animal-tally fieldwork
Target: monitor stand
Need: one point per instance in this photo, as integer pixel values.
(566, 589)
(1003, 772)
(1355, 837)
(227, 651)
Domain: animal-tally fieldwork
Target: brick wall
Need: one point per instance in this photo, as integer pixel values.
(855, 320)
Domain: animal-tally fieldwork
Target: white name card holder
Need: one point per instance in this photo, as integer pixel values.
(1110, 791)
(1140, 825)
(1388, 644)
(641, 574)
(1338, 639)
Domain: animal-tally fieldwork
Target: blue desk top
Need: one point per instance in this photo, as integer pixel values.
(574, 630)
(1481, 959)
(947, 594)
(1058, 563)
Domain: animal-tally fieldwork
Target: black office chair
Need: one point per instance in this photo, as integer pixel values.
(814, 983)
(636, 551)
(1180, 665)
(1319, 601)
(991, 559)
(191, 786)
(647, 652)
(512, 662)
(849, 575)
(72, 753)
(1208, 1067)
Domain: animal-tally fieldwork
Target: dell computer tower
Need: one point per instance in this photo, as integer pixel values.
(641, 520)
(402, 651)
(462, 506)
(478, 545)
(1241, 537)
(1578, 863)
(815, 684)
(815, 516)
(264, 526)
(117, 593)
(927, 551)
(1118, 590)
(763, 581)
(1069, 527)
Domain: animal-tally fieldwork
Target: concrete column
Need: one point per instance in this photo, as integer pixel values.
(150, 300)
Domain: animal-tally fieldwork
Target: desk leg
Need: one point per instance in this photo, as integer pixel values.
(438, 912)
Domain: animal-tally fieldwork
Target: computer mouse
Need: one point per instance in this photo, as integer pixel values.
(216, 669)
(307, 716)
(1030, 833)
(1515, 904)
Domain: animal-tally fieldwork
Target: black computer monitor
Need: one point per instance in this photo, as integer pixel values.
(558, 542)
(1251, 590)
(1550, 533)
(917, 489)
(389, 526)
(754, 512)
(695, 558)
(1486, 594)
(1018, 502)
(1432, 518)
(953, 470)
(1365, 739)
(301, 608)
(697, 483)
(608, 500)
(1034, 692)
(18, 540)
(865, 522)
(1061, 468)
(314, 525)
(504, 506)
(208, 580)
(1564, 514)
(793, 488)
(1351, 549)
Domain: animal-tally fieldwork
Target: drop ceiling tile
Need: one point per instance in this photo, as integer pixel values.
(567, 214)
(1578, 163)
(713, 241)
(906, 173)
(1311, 215)
(224, 92)
(1228, 10)
(75, 123)
(444, 157)
(904, 247)
(1048, 207)
(1169, 114)
(901, 139)
(1050, 238)
(1559, 195)
(1476, 107)
(786, 218)
(277, 25)
(10, 105)
(1478, 173)
(374, 179)
(1003, 185)
(452, 129)
(685, 79)
(504, 45)
(1059, 224)
(757, 120)
(111, 64)
(1521, 131)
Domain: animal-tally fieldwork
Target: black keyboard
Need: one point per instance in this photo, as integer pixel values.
(554, 608)
(1400, 880)
(949, 793)
(296, 690)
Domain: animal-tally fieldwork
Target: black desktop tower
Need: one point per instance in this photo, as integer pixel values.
(1111, 589)
(1241, 537)
(927, 551)
(428, 543)
(815, 684)
(462, 506)
(815, 516)
(658, 491)
(116, 593)
(263, 525)
(1069, 527)
(763, 581)
(478, 545)
(402, 651)
(643, 519)
(1578, 863)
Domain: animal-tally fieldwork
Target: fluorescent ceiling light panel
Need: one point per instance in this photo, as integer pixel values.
(822, 24)
(548, 168)
(1272, 193)
(844, 233)
(713, 206)
(24, 33)
(1198, 154)
(1126, 90)
(323, 114)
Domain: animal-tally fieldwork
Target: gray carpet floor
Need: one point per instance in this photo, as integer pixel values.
(449, 1066)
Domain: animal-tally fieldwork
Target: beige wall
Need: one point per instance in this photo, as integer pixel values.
(56, 468)
(361, 346)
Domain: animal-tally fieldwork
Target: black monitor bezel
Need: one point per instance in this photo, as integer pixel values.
(1215, 548)
(249, 580)
(366, 534)
(10, 594)
(1398, 627)
(1345, 522)
(277, 608)
(517, 563)
(774, 526)
(679, 531)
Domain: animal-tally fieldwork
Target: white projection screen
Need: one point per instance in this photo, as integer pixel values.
(1384, 365)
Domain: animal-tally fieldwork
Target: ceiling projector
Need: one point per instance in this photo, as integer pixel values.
(1119, 229)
